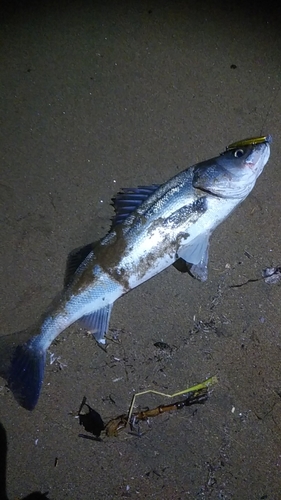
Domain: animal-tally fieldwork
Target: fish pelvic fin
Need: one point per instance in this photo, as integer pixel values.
(26, 374)
(194, 258)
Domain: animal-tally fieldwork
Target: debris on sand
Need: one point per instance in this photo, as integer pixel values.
(93, 423)
(272, 275)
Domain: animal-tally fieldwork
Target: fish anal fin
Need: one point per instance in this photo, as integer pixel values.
(97, 323)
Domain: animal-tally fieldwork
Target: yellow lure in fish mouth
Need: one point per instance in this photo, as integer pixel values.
(251, 141)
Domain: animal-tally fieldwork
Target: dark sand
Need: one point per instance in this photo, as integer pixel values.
(95, 98)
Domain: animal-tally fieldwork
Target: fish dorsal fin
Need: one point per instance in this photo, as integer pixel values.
(74, 260)
(128, 200)
(125, 202)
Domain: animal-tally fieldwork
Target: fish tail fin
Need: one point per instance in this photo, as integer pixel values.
(26, 374)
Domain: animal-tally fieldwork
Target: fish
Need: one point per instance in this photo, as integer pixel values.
(153, 227)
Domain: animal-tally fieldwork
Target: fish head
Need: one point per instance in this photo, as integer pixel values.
(233, 174)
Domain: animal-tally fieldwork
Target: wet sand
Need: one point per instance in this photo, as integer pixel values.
(95, 97)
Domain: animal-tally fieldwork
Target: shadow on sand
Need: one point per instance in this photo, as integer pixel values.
(36, 495)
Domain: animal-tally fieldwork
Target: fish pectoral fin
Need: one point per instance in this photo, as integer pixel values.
(75, 259)
(97, 323)
(196, 256)
(128, 200)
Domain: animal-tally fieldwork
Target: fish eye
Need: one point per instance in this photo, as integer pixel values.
(238, 153)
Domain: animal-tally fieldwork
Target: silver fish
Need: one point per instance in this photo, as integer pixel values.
(153, 227)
